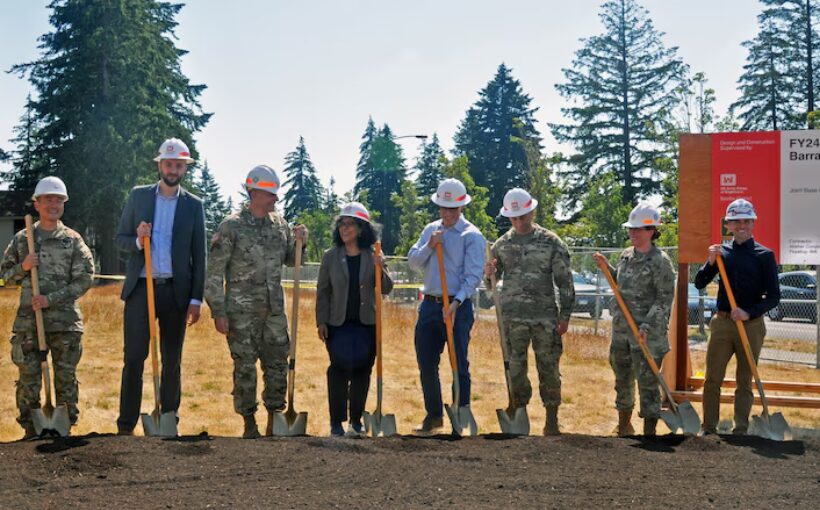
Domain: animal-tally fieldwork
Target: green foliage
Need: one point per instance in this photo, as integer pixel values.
(428, 168)
(319, 223)
(304, 189)
(380, 172)
(781, 78)
(620, 87)
(539, 183)
(476, 210)
(215, 207)
(413, 215)
(602, 214)
(109, 90)
(486, 136)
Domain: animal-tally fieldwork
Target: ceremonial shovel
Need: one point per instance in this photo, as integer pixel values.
(47, 420)
(769, 426)
(155, 424)
(519, 423)
(461, 417)
(680, 416)
(291, 423)
(377, 423)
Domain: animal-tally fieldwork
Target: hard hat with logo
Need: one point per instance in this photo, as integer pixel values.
(355, 210)
(451, 193)
(262, 177)
(644, 215)
(51, 186)
(740, 209)
(518, 202)
(174, 148)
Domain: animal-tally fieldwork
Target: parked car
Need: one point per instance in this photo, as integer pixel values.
(693, 306)
(800, 286)
(587, 299)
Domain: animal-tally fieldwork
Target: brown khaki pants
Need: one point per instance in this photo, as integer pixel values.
(724, 343)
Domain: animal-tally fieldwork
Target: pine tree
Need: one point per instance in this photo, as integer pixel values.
(539, 183)
(26, 158)
(304, 189)
(781, 78)
(428, 168)
(620, 88)
(413, 215)
(109, 90)
(382, 170)
(215, 207)
(486, 134)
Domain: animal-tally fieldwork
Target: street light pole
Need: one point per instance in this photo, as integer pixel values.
(420, 137)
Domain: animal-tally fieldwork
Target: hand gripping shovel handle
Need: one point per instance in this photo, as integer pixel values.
(448, 324)
(741, 329)
(501, 333)
(38, 314)
(634, 327)
(152, 322)
(378, 252)
(294, 323)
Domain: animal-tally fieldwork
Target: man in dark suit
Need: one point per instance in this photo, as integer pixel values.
(174, 220)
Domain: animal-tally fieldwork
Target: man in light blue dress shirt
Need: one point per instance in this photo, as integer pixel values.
(464, 265)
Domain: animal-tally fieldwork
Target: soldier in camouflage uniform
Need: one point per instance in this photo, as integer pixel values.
(66, 270)
(646, 279)
(533, 262)
(244, 290)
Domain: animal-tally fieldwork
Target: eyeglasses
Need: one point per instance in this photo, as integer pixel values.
(641, 228)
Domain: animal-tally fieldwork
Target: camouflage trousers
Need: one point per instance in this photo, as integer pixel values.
(265, 338)
(547, 345)
(65, 351)
(629, 365)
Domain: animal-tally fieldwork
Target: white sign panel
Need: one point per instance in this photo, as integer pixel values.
(800, 197)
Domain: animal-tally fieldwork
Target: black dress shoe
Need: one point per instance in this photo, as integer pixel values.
(429, 424)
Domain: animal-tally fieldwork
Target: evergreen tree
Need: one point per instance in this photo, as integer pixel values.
(27, 159)
(476, 210)
(381, 173)
(215, 207)
(781, 78)
(331, 199)
(413, 215)
(304, 189)
(109, 89)
(539, 183)
(486, 134)
(428, 168)
(620, 87)
(603, 213)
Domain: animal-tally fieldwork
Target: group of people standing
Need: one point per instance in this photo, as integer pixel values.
(242, 284)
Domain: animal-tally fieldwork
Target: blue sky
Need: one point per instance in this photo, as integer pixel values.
(276, 70)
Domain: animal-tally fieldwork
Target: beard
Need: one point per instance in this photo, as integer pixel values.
(170, 180)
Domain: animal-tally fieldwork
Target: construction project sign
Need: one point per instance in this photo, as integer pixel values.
(778, 171)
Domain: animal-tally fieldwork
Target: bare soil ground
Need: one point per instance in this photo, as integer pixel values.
(489, 471)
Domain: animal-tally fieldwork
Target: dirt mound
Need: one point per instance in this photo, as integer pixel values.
(486, 471)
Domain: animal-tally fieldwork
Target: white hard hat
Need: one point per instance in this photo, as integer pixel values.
(262, 177)
(644, 215)
(740, 209)
(355, 210)
(174, 148)
(51, 186)
(451, 193)
(518, 202)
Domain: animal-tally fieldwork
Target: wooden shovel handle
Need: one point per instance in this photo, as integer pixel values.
(445, 302)
(294, 322)
(378, 251)
(501, 334)
(35, 287)
(741, 329)
(152, 317)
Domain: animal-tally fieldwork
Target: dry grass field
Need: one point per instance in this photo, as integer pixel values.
(207, 404)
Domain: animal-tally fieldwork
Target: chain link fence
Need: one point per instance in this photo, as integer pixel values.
(793, 334)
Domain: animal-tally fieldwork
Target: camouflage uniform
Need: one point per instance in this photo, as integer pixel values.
(647, 284)
(244, 284)
(65, 272)
(532, 267)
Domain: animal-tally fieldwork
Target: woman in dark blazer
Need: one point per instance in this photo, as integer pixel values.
(346, 314)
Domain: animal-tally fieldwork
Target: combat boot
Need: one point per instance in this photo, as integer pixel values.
(649, 425)
(551, 426)
(625, 423)
(28, 432)
(251, 432)
(269, 426)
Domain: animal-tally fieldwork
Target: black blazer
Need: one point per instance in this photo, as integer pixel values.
(187, 244)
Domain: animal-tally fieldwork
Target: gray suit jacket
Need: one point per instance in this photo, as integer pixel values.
(187, 245)
(331, 290)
